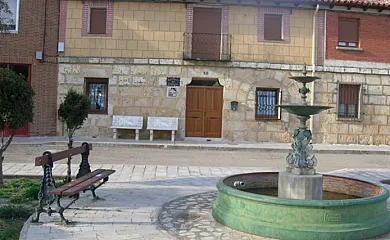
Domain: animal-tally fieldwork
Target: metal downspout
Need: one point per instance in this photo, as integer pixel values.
(313, 60)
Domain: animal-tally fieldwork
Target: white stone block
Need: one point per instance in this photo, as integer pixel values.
(300, 186)
(127, 122)
(162, 123)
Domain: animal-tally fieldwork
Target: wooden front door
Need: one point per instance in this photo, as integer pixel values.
(206, 33)
(204, 111)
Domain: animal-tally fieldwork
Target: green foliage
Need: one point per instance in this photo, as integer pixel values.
(11, 230)
(74, 110)
(20, 190)
(11, 211)
(16, 100)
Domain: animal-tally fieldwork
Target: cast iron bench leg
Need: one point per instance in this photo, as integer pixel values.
(61, 210)
(39, 210)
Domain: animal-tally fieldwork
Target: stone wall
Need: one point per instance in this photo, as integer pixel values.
(138, 87)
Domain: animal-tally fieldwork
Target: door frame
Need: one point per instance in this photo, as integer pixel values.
(204, 87)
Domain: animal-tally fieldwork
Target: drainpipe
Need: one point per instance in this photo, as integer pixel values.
(313, 59)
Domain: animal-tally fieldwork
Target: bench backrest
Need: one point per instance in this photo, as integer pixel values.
(162, 123)
(56, 156)
(132, 122)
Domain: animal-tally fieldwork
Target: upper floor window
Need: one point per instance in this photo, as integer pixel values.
(9, 15)
(273, 24)
(266, 101)
(273, 27)
(348, 32)
(97, 20)
(348, 106)
(97, 90)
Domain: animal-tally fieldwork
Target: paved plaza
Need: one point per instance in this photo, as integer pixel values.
(155, 201)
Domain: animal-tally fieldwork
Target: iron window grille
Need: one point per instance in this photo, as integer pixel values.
(266, 101)
(97, 90)
(349, 101)
(207, 46)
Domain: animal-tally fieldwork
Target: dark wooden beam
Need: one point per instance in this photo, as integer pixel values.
(365, 8)
(380, 9)
(349, 7)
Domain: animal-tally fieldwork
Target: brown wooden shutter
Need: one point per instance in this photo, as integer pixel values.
(349, 96)
(272, 27)
(348, 30)
(98, 19)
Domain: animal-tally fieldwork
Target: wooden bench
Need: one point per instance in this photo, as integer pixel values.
(163, 123)
(85, 180)
(127, 122)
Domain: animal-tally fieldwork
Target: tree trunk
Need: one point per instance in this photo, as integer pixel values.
(1, 169)
(70, 146)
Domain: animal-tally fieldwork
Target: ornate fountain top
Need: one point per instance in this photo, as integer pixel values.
(301, 159)
(304, 71)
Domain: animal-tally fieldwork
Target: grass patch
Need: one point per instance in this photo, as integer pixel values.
(18, 199)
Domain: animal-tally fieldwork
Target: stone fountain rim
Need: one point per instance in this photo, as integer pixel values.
(222, 187)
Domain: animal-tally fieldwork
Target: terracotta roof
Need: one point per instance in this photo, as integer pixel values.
(368, 3)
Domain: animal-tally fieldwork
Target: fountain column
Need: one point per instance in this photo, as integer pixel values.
(300, 180)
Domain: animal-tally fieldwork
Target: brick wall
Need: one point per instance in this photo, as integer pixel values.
(372, 34)
(21, 47)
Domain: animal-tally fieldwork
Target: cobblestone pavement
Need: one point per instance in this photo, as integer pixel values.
(136, 194)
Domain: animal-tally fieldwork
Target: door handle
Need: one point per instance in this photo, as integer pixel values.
(194, 117)
(213, 118)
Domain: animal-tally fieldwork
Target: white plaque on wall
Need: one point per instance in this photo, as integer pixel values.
(172, 92)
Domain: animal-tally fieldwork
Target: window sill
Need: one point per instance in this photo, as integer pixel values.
(275, 41)
(268, 120)
(349, 119)
(349, 49)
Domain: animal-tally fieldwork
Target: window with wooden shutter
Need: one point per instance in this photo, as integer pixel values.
(266, 101)
(273, 27)
(348, 32)
(98, 20)
(348, 101)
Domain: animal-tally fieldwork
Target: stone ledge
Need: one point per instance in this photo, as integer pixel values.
(238, 64)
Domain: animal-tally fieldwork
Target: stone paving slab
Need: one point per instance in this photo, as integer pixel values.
(134, 195)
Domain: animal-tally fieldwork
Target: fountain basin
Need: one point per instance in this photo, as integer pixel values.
(304, 79)
(284, 218)
(304, 110)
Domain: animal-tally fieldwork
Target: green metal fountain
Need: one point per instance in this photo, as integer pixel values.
(300, 203)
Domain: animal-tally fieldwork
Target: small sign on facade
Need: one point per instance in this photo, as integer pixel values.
(172, 92)
(173, 81)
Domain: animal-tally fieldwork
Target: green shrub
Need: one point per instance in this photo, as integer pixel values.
(11, 211)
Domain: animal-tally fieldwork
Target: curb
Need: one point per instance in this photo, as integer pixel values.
(225, 147)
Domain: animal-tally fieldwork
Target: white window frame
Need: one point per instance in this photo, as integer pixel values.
(360, 103)
(16, 19)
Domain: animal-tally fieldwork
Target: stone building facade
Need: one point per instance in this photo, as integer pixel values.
(145, 43)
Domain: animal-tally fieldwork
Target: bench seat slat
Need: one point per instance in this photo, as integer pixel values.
(85, 184)
(59, 190)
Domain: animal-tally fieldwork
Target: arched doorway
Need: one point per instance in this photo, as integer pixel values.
(204, 104)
